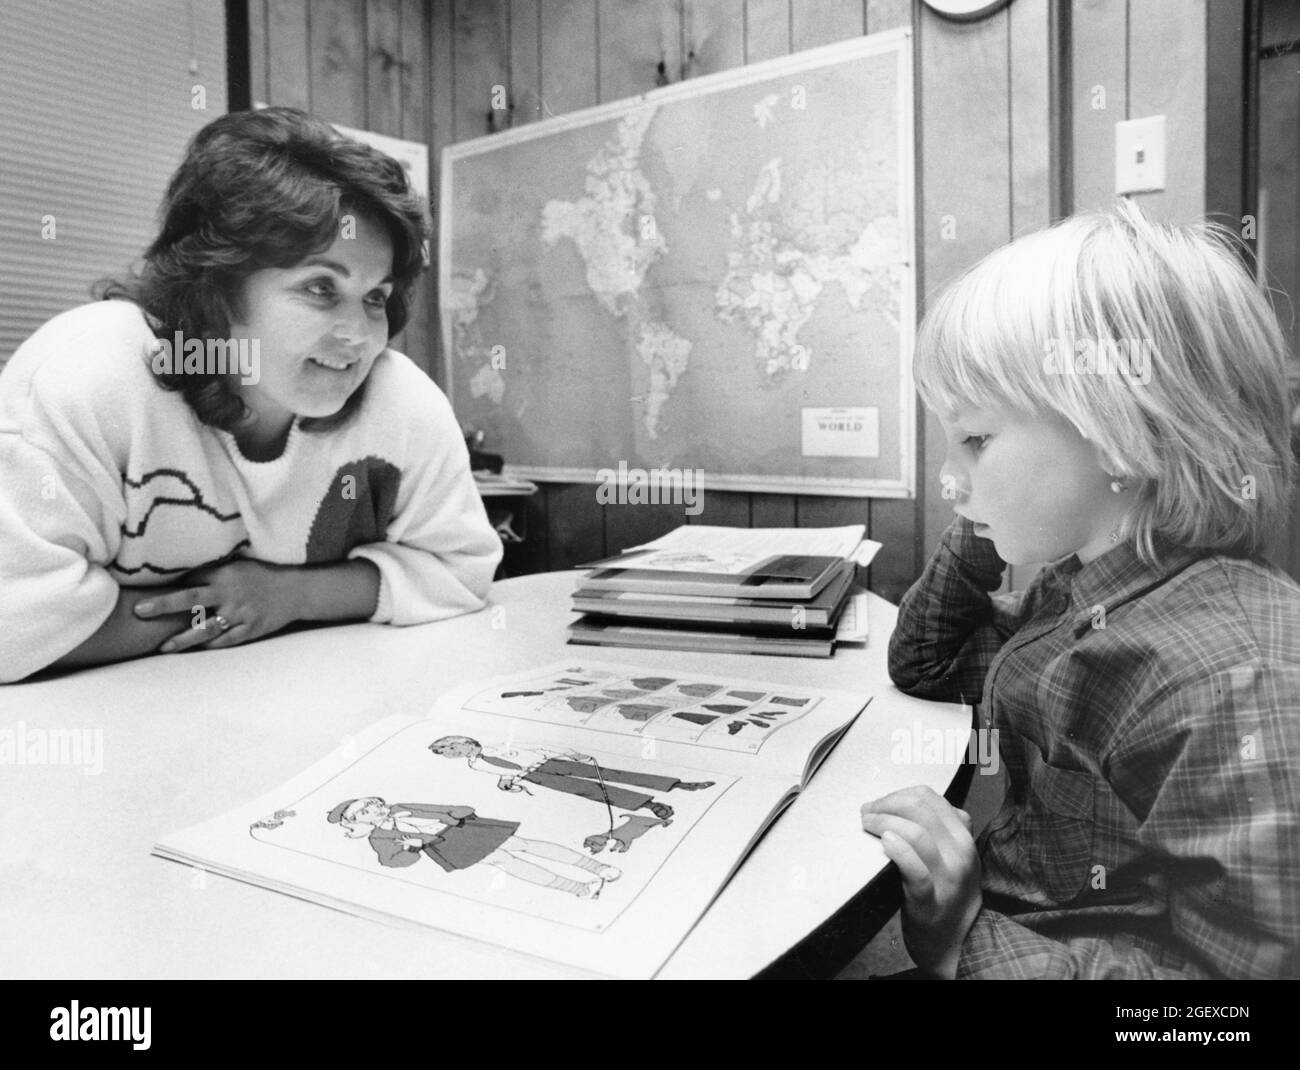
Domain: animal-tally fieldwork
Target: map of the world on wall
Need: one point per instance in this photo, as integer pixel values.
(717, 275)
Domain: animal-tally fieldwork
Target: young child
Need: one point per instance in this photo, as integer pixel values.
(1113, 393)
(231, 446)
(456, 838)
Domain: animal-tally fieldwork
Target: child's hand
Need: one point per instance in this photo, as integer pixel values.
(930, 842)
(254, 597)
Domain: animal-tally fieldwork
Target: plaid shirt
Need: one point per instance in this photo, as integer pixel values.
(1149, 723)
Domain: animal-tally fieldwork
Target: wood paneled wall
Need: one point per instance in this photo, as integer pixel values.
(1007, 141)
(1131, 61)
(1279, 210)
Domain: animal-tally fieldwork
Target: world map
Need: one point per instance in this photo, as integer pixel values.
(679, 280)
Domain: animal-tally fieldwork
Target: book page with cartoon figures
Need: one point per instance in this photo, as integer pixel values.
(695, 718)
(592, 844)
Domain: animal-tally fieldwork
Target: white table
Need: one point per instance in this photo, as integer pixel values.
(187, 737)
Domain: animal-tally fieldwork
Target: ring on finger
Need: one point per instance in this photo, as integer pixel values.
(221, 623)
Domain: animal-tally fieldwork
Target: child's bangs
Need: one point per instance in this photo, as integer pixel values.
(982, 342)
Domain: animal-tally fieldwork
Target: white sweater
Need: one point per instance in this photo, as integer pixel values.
(107, 480)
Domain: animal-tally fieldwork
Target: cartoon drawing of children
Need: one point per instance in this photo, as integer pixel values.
(566, 771)
(455, 837)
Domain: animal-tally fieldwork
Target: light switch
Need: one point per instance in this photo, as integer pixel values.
(1140, 155)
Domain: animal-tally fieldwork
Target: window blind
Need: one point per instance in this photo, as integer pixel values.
(97, 101)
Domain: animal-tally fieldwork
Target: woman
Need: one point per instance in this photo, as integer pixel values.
(225, 445)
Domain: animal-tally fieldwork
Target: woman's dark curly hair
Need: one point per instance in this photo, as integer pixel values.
(264, 189)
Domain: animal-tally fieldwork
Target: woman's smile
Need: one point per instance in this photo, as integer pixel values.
(332, 365)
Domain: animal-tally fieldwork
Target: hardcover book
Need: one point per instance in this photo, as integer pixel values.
(789, 576)
(820, 611)
(612, 631)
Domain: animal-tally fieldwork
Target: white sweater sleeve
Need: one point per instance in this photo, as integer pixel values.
(60, 510)
(440, 553)
(55, 595)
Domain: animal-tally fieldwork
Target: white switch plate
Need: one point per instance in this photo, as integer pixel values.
(1140, 155)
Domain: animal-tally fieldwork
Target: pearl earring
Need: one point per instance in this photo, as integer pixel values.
(1118, 485)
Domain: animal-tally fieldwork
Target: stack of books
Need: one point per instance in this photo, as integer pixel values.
(730, 590)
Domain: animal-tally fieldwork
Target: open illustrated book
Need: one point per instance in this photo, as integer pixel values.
(584, 813)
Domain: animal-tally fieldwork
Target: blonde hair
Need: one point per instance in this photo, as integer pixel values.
(1071, 320)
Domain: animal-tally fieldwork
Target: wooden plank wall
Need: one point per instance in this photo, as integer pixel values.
(1130, 61)
(992, 161)
(1279, 149)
